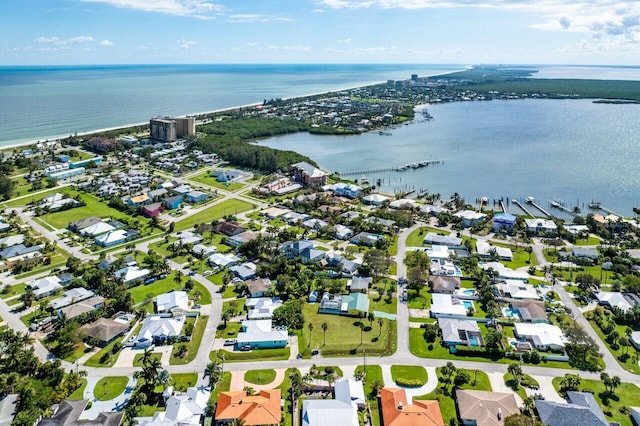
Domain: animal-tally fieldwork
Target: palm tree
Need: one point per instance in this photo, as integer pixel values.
(361, 330)
(324, 326)
(310, 331)
(164, 378)
(213, 372)
(380, 326)
(178, 278)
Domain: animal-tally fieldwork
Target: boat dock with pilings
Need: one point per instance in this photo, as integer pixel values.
(532, 201)
(403, 168)
(560, 206)
(522, 207)
(595, 205)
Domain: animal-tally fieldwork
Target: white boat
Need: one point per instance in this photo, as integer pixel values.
(530, 199)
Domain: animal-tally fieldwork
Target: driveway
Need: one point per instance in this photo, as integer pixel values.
(546, 389)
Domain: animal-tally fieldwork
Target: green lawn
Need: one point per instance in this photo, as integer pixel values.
(211, 181)
(403, 373)
(520, 257)
(13, 290)
(591, 241)
(343, 334)
(145, 292)
(192, 346)
(255, 355)
(627, 395)
(33, 198)
(230, 331)
(78, 393)
(222, 386)
(97, 361)
(445, 395)
(181, 382)
(630, 365)
(137, 360)
(373, 374)
(205, 296)
(416, 237)
(511, 382)
(260, 377)
(110, 387)
(216, 212)
(284, 387)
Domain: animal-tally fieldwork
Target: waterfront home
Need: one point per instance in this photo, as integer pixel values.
(459, 332)
(484, 408)
(354, 304)
(446, 305)
(397, 411)
(614, 299)
(131, 274)
(442, 240)
(181, 409)
(516, 289)
(44, 287)
(577, 229)
(69, 413)
(172, 301)
(431, 210)
(344, 189)
(263, 408)
(403, 203)
(503, 222)
(308, 175)
(112, 238)
(258, 287)
(529, 310)
(541, 227)
(542, 336)
(375, 199)
(486, 251)
(261, 334)
(104, 330)
(582, 409)
(173, 202)
(444, 284)
(262, 307)
(469, 217)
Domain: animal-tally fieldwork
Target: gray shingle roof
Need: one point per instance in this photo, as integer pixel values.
(582, 410)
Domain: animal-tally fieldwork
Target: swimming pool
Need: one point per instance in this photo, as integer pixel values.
(474, 341)
(511, 313)
(469, 291)
(468, 304)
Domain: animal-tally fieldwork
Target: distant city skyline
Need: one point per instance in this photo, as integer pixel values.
(67, 32)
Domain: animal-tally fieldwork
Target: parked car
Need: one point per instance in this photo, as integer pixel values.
(245, 348)
(230, 342)
(315, 351)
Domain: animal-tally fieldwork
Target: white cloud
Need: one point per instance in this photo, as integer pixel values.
(345, 40)
(106, 43)
(248, 18)
(202, 9)
(185, 44)
(61, 42)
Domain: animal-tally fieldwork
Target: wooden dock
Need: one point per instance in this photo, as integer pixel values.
(546, 213)
(523, 208)
(564, 209)
(390, 169)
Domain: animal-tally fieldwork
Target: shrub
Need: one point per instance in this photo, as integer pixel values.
(409, 383)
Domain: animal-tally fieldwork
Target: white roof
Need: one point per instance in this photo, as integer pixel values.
(470, 215)
(614, 298)
(504, 272)
(375, 198)
(444, 304)
(262, 308)
(12, 240)
(223, 259)
(97, 229)
(518, 289)
(484, 249)
(576, 229)
(131, 273)
(328, 412)
(541, 223)
(184, 409)
(401, 202)
(260, 331)
(541, 334)
(72, 296)
(156, 325)
(172, 300)
(349, 390)
(45, 285)
(438, 252)
(111, 237)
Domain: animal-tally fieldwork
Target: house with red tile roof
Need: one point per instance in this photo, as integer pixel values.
(261, 409)
(396, 411)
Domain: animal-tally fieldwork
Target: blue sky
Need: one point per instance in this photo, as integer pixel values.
(46, 32)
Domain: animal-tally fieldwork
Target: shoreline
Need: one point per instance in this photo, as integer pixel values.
(233, 108)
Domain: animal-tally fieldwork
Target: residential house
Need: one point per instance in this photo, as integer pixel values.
(293, 249)
(258, 287)
(173, 202)
(445, 304)
(483, 408)
(182, 190)
(229, 228)
(503, 222)
(69, 413)
(131, 274)
(314, 224)
(81, 224)
(431, 210)
(438, 252)
(308, 175)
(444, 267)
(582, 409)
(293, 218)
(263, 408)
(4, 226)
(469, 217)
(112, 238)
(138, 200)
(72, 296)
(244, 271)
(442, 240)
(503, 273)
(223, 260)
(104, 330)
(19, 252)
(203, 251)
(181, 409)
(403, 203)
(152, 210)
(172, 301)
(487, 251)
(8, 408)
(584, 253)
(635, 339)
(347, 266)
(242, 238)
(65, 278)
(530, 310)
(543, 336)
(342, 232)
(359, 284)
(614, 299)
(444, 284)
(516, 289)
(157, 329)
(576, 229)
(541, 227)
(44, 287)
(196, 197)
(385, 223)
(96, 229)
(397, 411)
(635, 414)
(82, 307)
(11, 240)
(57, 201)
(354, 304)
(157, 194)
(328, 412)
(460, 332)
(261, 334)
(366, 239)
(351, 391)
(375, 199)
(262, 307)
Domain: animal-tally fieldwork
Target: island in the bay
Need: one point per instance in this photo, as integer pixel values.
(178, 273)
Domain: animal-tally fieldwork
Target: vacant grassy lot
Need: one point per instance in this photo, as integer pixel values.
(110, 387)
(211, 181)
(13, 290)
(145, 292)
(260, 377)
(181, 382)
(343, 336)
(23, 201)
(99, 359)
(192, 346)
(216, 212)
(629, 365)
(627, 395)
(445, 394)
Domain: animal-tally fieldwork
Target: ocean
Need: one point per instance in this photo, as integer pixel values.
(38, 103)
